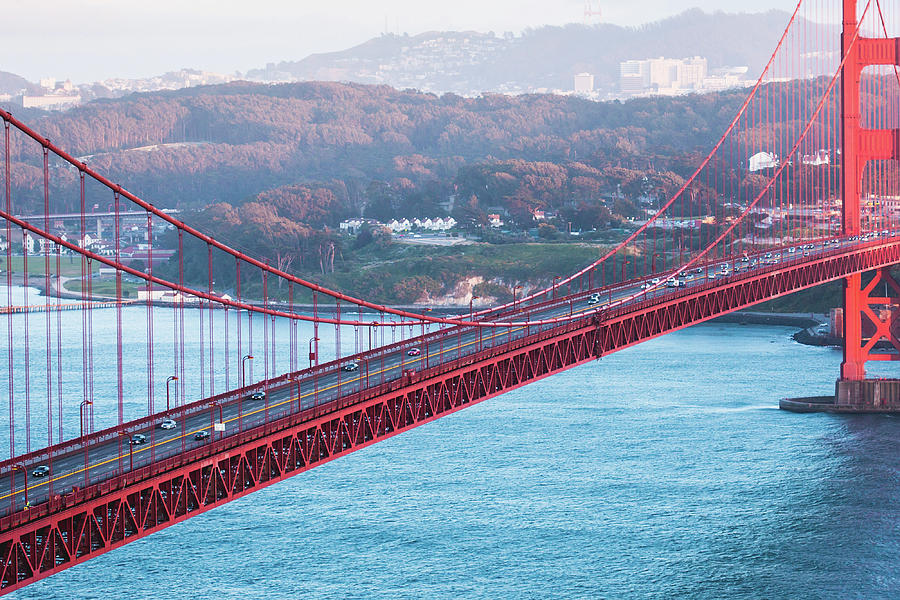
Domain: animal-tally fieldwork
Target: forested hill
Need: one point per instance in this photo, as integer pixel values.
(196, 146)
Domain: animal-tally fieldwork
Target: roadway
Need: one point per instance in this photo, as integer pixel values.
(104, 459)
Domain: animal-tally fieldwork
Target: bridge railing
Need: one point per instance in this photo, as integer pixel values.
(638, 303)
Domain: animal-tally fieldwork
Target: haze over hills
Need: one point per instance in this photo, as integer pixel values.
(540, 59)
(469, 63)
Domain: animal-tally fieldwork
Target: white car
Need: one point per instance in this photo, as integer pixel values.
(168, 424)
(350, 367)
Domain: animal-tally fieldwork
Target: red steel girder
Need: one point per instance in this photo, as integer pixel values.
(71, 530)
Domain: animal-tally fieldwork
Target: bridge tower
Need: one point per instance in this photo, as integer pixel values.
(859, 147)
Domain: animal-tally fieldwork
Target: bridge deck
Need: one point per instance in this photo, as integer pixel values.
(107, 493)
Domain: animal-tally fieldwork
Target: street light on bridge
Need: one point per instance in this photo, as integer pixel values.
(471, 301)
(515, 294)
(168, 381)
(81, 412)
(244, 369)
(19, 467)
(556, 279)
(313, 355)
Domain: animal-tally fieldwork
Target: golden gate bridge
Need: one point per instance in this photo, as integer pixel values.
(76, 484)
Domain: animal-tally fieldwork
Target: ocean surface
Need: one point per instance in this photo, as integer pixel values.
(663, 471)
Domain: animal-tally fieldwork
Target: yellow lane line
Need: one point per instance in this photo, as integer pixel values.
(265, 408)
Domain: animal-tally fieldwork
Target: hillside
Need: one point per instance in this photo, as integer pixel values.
(546, 57)
(196, 146)
(12, 84)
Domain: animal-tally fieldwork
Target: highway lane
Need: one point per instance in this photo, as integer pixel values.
(108, 458)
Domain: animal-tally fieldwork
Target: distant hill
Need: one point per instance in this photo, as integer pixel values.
(10, 83)
(548, 57)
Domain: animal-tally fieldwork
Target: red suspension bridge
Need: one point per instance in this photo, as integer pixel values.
(803, 188)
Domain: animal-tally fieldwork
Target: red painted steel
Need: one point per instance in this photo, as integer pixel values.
(860, 146)
(81, 525)
(75, 527)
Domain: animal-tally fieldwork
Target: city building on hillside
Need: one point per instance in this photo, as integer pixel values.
(163, 294)
(674, 76)
(763, 160)
(584, 83)
(353, 226)
(820, 158)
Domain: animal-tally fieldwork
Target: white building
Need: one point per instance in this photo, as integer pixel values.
(50, 101)
(763, 160)
(584, 83)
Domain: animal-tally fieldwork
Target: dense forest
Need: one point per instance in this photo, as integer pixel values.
(275, 168)
(194, 147)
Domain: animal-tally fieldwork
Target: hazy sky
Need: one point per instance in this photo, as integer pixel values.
(89, 40)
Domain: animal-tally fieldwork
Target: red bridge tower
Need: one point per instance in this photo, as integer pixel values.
(859, 147)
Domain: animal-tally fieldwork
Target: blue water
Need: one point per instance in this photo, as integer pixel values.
(662, 471)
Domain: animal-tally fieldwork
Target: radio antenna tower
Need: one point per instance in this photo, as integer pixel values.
(590, 13)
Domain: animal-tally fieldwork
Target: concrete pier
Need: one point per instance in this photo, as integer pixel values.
(867, 396)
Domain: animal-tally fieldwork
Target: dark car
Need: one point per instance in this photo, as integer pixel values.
(201, 435)
(257, 396)
(40, 471)
(350, 367)
(137, 439)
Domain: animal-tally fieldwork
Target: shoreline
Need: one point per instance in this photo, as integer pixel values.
(805, 321)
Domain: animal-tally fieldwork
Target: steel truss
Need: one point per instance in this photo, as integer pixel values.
(89, 522)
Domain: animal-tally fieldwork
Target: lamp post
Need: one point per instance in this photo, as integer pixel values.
(556, 278)
(130, 450)
(624, 262)
(244, 368)
(515, 294)
(168, 381)
(471, 313)
(313, 356)
(20, 467)
(81, 412)
(212, 425)
(87, 474)
(653, 262)
(372, 327)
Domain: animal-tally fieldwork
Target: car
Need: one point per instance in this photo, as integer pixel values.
(711, 276)
(168, 424)
(413, 352)
(201, 435)
(350, 367)
(655, 280)
(40, 471)
(645, 286)
(745, 260)
(594, 299)
(792, 250)
(768, 255)
(257, 396)
(138, 439)
(697, 271)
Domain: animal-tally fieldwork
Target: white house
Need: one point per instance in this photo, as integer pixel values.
(763, 160)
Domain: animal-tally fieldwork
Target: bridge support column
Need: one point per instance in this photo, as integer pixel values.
(873, 325)
(859, 147)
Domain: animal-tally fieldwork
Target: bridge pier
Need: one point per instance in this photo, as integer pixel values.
(880, 396)
(854, 393)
